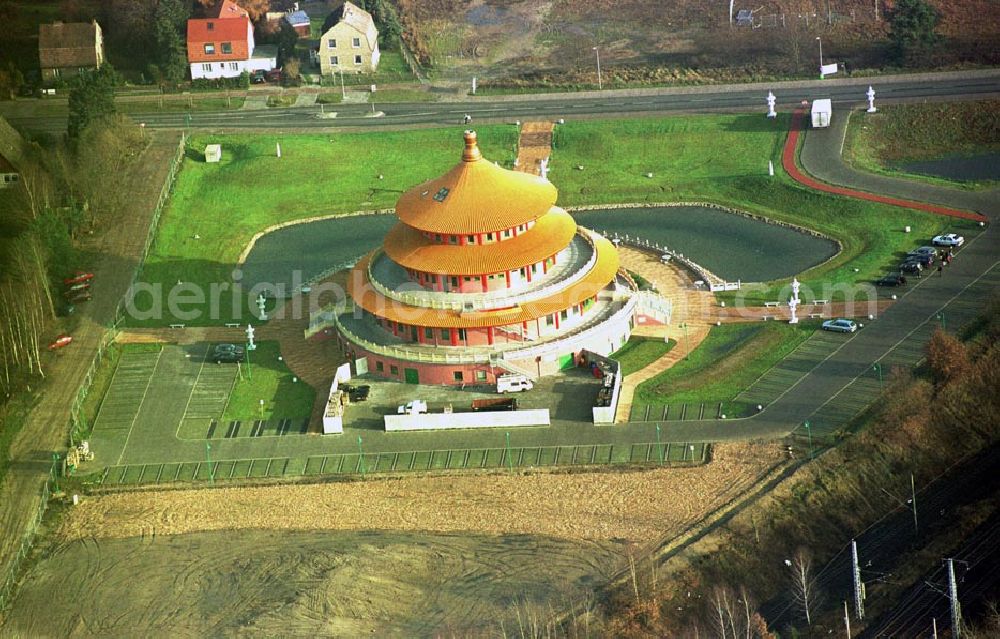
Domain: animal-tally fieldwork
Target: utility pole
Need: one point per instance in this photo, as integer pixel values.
(934, 627)
(956, 609)
(859, 587)
(847, 620)
(913, 502)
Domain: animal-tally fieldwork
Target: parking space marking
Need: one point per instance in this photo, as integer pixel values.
(138, 408)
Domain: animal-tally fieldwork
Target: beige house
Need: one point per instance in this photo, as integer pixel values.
(351, 44)
(66, 48)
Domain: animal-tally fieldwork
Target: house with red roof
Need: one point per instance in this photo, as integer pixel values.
(223, 46)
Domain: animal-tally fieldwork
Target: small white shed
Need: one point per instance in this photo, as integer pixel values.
(213, 152)
(822, 111)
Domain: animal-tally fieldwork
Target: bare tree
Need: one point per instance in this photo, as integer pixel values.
(804, 583)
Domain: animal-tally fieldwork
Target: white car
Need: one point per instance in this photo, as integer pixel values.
(950, 239)
(840, 326)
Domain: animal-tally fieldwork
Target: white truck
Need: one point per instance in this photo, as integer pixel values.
(513, 384)
(822, 111)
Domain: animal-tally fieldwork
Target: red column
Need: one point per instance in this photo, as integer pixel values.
(527, 269)
(420, 335)
(545, 266)
(557, 319)
(489, 335)
(453, 334)
(482, 281)
(506, 275)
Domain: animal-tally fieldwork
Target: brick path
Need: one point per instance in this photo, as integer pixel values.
(534, 145)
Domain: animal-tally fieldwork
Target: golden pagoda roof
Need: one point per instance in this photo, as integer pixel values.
(476, 196)
(551, 233)
(600, 275)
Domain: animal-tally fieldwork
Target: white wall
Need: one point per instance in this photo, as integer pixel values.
(225, 70)
(485, 419)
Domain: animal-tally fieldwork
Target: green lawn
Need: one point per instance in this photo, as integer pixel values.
(225, 204)
(900, 133)
(269, 379)
(330, 98)
(280, 101)
(724, 159)
(730, 359)
(640, 352)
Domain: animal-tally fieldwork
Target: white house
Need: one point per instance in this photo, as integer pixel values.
(224, 48)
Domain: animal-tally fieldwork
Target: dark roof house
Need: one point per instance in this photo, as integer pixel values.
(64, 48)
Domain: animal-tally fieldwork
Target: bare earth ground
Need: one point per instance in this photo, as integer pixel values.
(452, 553)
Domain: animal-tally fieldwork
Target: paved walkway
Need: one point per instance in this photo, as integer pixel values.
(851, 177)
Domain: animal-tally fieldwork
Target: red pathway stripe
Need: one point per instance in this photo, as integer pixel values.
(788, 161)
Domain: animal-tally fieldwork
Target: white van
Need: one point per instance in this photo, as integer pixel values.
(513, 384)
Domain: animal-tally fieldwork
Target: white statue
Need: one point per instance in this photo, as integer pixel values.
(543, 168)
(793, 303)
(261, 301)
(871, 99)
(250, 345)
(770, 105)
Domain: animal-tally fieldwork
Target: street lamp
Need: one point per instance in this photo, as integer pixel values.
(878, 367)
(820, 40)
(600, 85)
(810, 433)
(343, 91)
(940, 317)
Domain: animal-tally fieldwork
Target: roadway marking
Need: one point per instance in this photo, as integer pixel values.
(139, 407)
(889, 350)
(191, 394)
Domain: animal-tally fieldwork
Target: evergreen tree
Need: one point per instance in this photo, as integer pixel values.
(169, 25)
(912, 30)
(91, 99)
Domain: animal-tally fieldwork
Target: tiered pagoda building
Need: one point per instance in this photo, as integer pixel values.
(483, 276)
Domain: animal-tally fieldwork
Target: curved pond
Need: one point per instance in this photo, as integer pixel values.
(965, 168)
(731, 246)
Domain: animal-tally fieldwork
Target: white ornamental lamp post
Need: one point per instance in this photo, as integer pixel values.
(770, 105)
(821, 74)
(600, 85)
(261, 301)
(543, 168)
(871, 100)
(793, 303)
(250, 345)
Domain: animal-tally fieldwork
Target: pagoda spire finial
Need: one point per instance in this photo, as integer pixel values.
(471, 153)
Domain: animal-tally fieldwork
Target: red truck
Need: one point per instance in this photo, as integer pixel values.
(494, 403)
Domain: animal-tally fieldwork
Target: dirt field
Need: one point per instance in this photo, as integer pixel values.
(451, 555)
(672, 40)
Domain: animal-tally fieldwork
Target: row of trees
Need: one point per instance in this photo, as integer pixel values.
(925, 422)
(65, 187)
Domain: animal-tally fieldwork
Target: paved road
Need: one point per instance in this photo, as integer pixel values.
(50, 116)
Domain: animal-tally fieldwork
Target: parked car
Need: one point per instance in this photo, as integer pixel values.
(911, 268)
(356, 393)
(891, 279)
(948, 239)
(258, 77)
(604, 396)
(923, 260)
(924, 250)
(840, 325)
(415, 407)
(227, 353)
(78, 278)
(79, 297)
(274, 75)
(61, 341)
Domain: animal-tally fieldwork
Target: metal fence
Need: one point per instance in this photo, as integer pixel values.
(28, 539)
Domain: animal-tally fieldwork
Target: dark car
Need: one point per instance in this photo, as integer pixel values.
(911, 268)
(923, 260)
(227, 353)
(274, 75)
(892, 279)
(356, 393)
(259, 76)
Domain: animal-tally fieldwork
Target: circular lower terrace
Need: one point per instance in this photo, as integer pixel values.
(614, 304)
